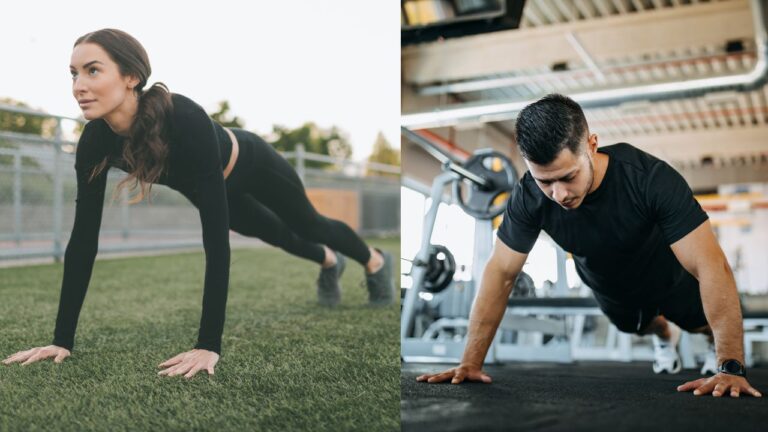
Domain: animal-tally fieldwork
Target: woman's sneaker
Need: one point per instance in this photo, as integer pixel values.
(666, 358)
(381, 289)
(328, 288)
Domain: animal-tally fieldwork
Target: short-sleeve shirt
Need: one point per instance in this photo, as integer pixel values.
(620, 235)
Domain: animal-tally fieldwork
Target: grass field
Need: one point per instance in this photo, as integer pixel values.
(287, 363)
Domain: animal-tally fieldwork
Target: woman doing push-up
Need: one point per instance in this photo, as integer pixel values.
(235, 179)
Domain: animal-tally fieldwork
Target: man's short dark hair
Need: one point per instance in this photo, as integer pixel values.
(547, 126)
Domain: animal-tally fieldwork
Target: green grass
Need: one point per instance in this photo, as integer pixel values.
(287, 364)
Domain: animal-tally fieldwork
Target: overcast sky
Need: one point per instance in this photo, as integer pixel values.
(334, 62)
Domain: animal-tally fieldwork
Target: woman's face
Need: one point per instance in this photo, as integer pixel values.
(97, 84)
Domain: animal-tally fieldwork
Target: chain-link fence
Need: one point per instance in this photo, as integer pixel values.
(38, 188)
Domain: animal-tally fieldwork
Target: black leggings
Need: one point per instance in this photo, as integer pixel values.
(267, 200)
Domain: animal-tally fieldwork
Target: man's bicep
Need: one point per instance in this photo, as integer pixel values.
(698, 249)
(507, 261)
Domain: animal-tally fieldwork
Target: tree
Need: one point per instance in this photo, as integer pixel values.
(223, 119)
(332, 142)
(383, 153)
(22, 123)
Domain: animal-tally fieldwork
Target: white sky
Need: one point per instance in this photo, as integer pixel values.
(334, 62)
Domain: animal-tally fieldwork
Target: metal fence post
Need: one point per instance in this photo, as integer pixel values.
(58, 192)
(300, 162)
(17, 197)
(125, 218)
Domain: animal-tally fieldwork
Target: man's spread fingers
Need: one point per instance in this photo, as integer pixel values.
(719, 389)
(440, 377)
(706, 388)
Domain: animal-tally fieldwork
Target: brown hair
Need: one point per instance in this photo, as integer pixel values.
(146, 151)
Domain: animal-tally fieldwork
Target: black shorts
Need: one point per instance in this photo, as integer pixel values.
(682, 306)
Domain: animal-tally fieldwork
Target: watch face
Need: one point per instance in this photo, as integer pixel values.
(732, 366)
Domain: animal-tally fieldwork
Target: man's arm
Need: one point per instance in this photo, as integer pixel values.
(491, 302)
(702, 256)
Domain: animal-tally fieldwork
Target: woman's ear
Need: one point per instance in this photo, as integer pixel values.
(133, 82)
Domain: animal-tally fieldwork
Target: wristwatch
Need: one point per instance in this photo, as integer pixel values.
(732, 367)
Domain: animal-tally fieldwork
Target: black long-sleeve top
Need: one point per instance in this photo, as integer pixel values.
(197, 147)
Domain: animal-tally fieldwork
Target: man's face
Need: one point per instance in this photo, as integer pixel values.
(568, 178)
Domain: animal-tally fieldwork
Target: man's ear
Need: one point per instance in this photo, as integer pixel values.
(592, 142)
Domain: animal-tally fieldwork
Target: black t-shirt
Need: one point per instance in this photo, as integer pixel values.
(620, 235)
(194, 167)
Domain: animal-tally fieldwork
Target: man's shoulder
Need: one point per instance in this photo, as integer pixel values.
(528, 192)
(629, 156)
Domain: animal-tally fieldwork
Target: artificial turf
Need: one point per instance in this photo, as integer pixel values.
(286, 364)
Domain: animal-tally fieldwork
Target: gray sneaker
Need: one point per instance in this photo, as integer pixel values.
(328, 288)
(381, 290)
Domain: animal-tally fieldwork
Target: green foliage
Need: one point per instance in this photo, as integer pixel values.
(223, 118)
(287, 364)
(384, 153)
(21, 123)
(333, 141)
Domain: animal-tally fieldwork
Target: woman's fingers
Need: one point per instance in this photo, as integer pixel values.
(37, 354)
(169, 370)
(193, 371)
(190, 363)
(60, 357)
(171, 362)
(183, 368)
(19, 356)
(33, 358)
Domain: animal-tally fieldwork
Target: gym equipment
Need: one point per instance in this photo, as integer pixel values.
(480, 201)
(434, 315)
(441, 266)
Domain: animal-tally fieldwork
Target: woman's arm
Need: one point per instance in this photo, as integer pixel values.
(197, 133)
(82, 247)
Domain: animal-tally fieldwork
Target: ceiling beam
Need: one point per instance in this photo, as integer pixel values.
(607, 38)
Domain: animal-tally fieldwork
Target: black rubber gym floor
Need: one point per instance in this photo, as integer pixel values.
(575, 397)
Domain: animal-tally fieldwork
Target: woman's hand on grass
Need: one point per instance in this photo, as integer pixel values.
(189, 363)
(39, 353)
